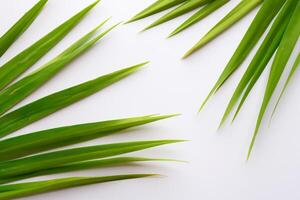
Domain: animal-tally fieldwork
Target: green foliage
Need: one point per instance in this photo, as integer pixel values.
(20, 26)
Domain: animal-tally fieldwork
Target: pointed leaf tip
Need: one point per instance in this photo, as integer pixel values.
(210, 8)
(95, 3)
(156, 7)
(171, 115)
(20, 26)
(19, 190)
(12, 69)
(142, 64)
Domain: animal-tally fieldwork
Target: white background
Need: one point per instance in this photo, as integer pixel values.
(217, 168)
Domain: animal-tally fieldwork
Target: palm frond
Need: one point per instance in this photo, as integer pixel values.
(261, 59)
(20, 26)
(23, 157)
(265, 15)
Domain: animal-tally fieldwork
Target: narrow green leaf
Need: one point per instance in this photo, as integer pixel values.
(180, 10)
(20, 63)
(241, 10)
(32, 188)
(93, 164)
(201, 14)
(258, 26)
(261, 58)
(158, 6)
(27, 165)
(45, 106)
(292, 72)
(20, 26)
(282, 56)
(37, 142)
(18, 91)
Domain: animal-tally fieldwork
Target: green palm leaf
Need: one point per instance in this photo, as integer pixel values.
(45, 106)
(242, 9)
(180, 10)
(14, 166)
(258, 26)
(292, 72)
(268, 54)
(201, 14)
(20, 27)
(158, 6)
(32, 188)
(261, 58)
(27, 165)
(36, 142)
(20, 63)
(92, 164)
(282, 56)
(15, 93)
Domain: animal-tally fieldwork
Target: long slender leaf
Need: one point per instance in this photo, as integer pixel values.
(180, 10)
(27, 185)
(261, 58)
(201, 14)
(241, 10)
(58, 137)
(93, 164)
(32, 188)
(15, 93)
(258, 26)
(158, 6)
(20, 63)
(45, 106)
(291, 74)
(282, 56)
(27, 165)
(20, 26)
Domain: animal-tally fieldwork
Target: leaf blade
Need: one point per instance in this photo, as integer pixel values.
(258, 26)
(237, 13)
(33, 188)
(260, 60)
(201, 14)
(291, 74)
(45, 106)
(86, 165)
(156, 7)
(27, 165)
(20, 26)
(40, 141)
(178, 11)
(283, 53)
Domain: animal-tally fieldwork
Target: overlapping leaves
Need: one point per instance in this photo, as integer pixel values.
(24, 60)
(17, 157)
(279, 42)
(204, 8)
